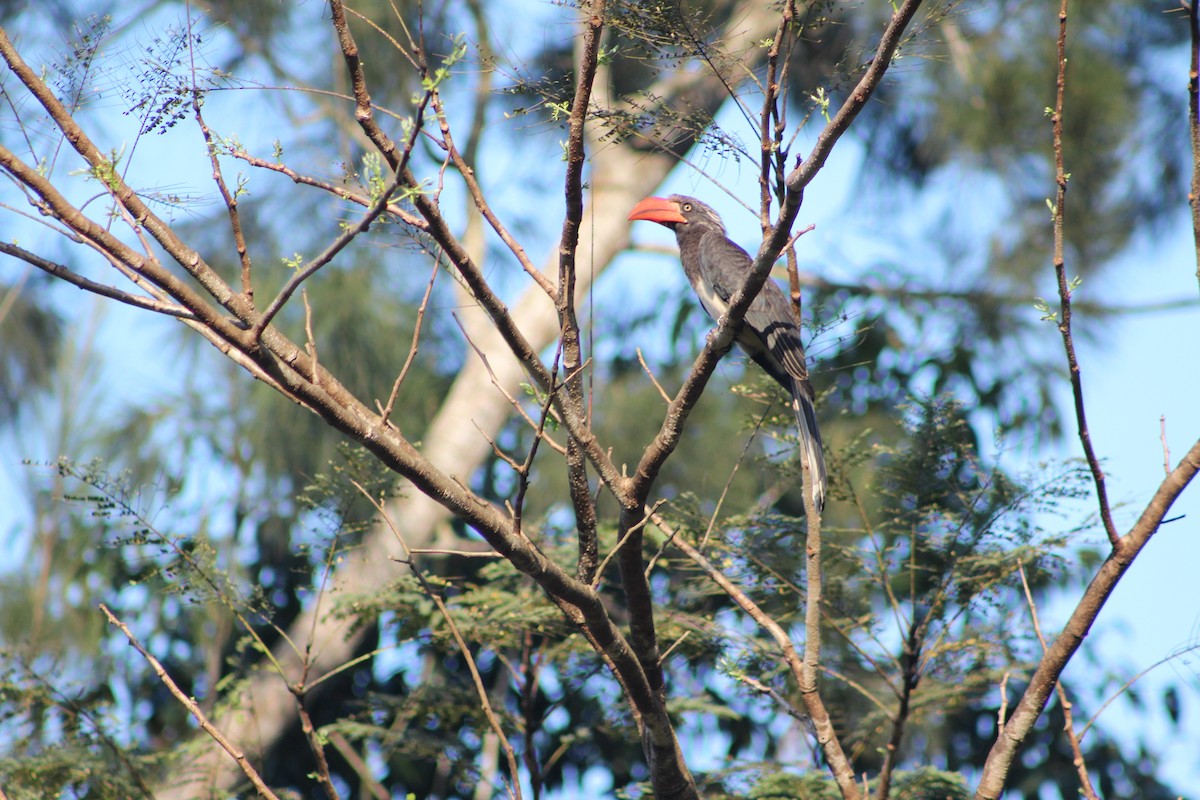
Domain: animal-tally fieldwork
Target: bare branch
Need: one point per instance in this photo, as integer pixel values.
(345, 194)
(772, 156)
(1085, 782)
(712, 519)
(190, 704)
(315, 746)
(512, 401)
(386, 411)
(624, 540)
(1166, 448)
(352, 231)
(360, 767)
(839, 765)
(1064, 287)
(1194, 121)
(467, 170)
(104, 290)
(646, 368)
(125, 196)
(230, 199)
(1125, 686)
(1013, 733)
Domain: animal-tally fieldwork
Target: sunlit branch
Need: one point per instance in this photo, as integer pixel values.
(1013, 733)
(1085, 782)
(839, 765)
(345, 194)
(352, 231)
(1065, 287)
(104, 170)
(234, 752)
(230, 199)
(467, 170)
(104, 290)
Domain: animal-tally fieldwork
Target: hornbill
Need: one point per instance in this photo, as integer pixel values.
(716, 268)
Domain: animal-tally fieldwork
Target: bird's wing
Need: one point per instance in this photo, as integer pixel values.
(721, 265)
(770, 333)
(770, 337)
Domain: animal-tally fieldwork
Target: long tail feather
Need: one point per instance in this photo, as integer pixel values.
(810, 440)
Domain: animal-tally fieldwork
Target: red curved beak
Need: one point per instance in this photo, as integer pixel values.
(657, 209)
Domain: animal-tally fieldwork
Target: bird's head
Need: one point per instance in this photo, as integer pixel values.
(677, 210)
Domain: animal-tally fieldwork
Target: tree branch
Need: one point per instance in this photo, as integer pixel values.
(345, 194)
(230, 199)
(1064, 287)
(1085, 782)
(1194, 122)
(234, 752)
(839, 765)
(104, 170)
(104, 290)
(1012, 735)
(350, 233)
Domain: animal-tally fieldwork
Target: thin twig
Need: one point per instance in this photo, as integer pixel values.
(1064, 286)
(310, 341)
(484, 702)
(523, 470)
(633, 530)
(467, 171)
(646, 368)
(129, 202)
(194, 709)
(111, 292)
(442, 551)
(386, 411)
(712, 520)
(1166, 448)
(1194, 122)
(1085, 781)
(359, 765)
(530, 674)
(514, 786)
(230, 199)
(771, 155)
(762, 688)
(340, 191)
(1125, 686)
(351, 232)
(831, 746)
(512, 401)
(315, 745)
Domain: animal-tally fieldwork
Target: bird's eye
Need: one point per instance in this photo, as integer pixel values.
(687, 206)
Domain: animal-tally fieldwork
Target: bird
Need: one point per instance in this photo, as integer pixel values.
(717, 267)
